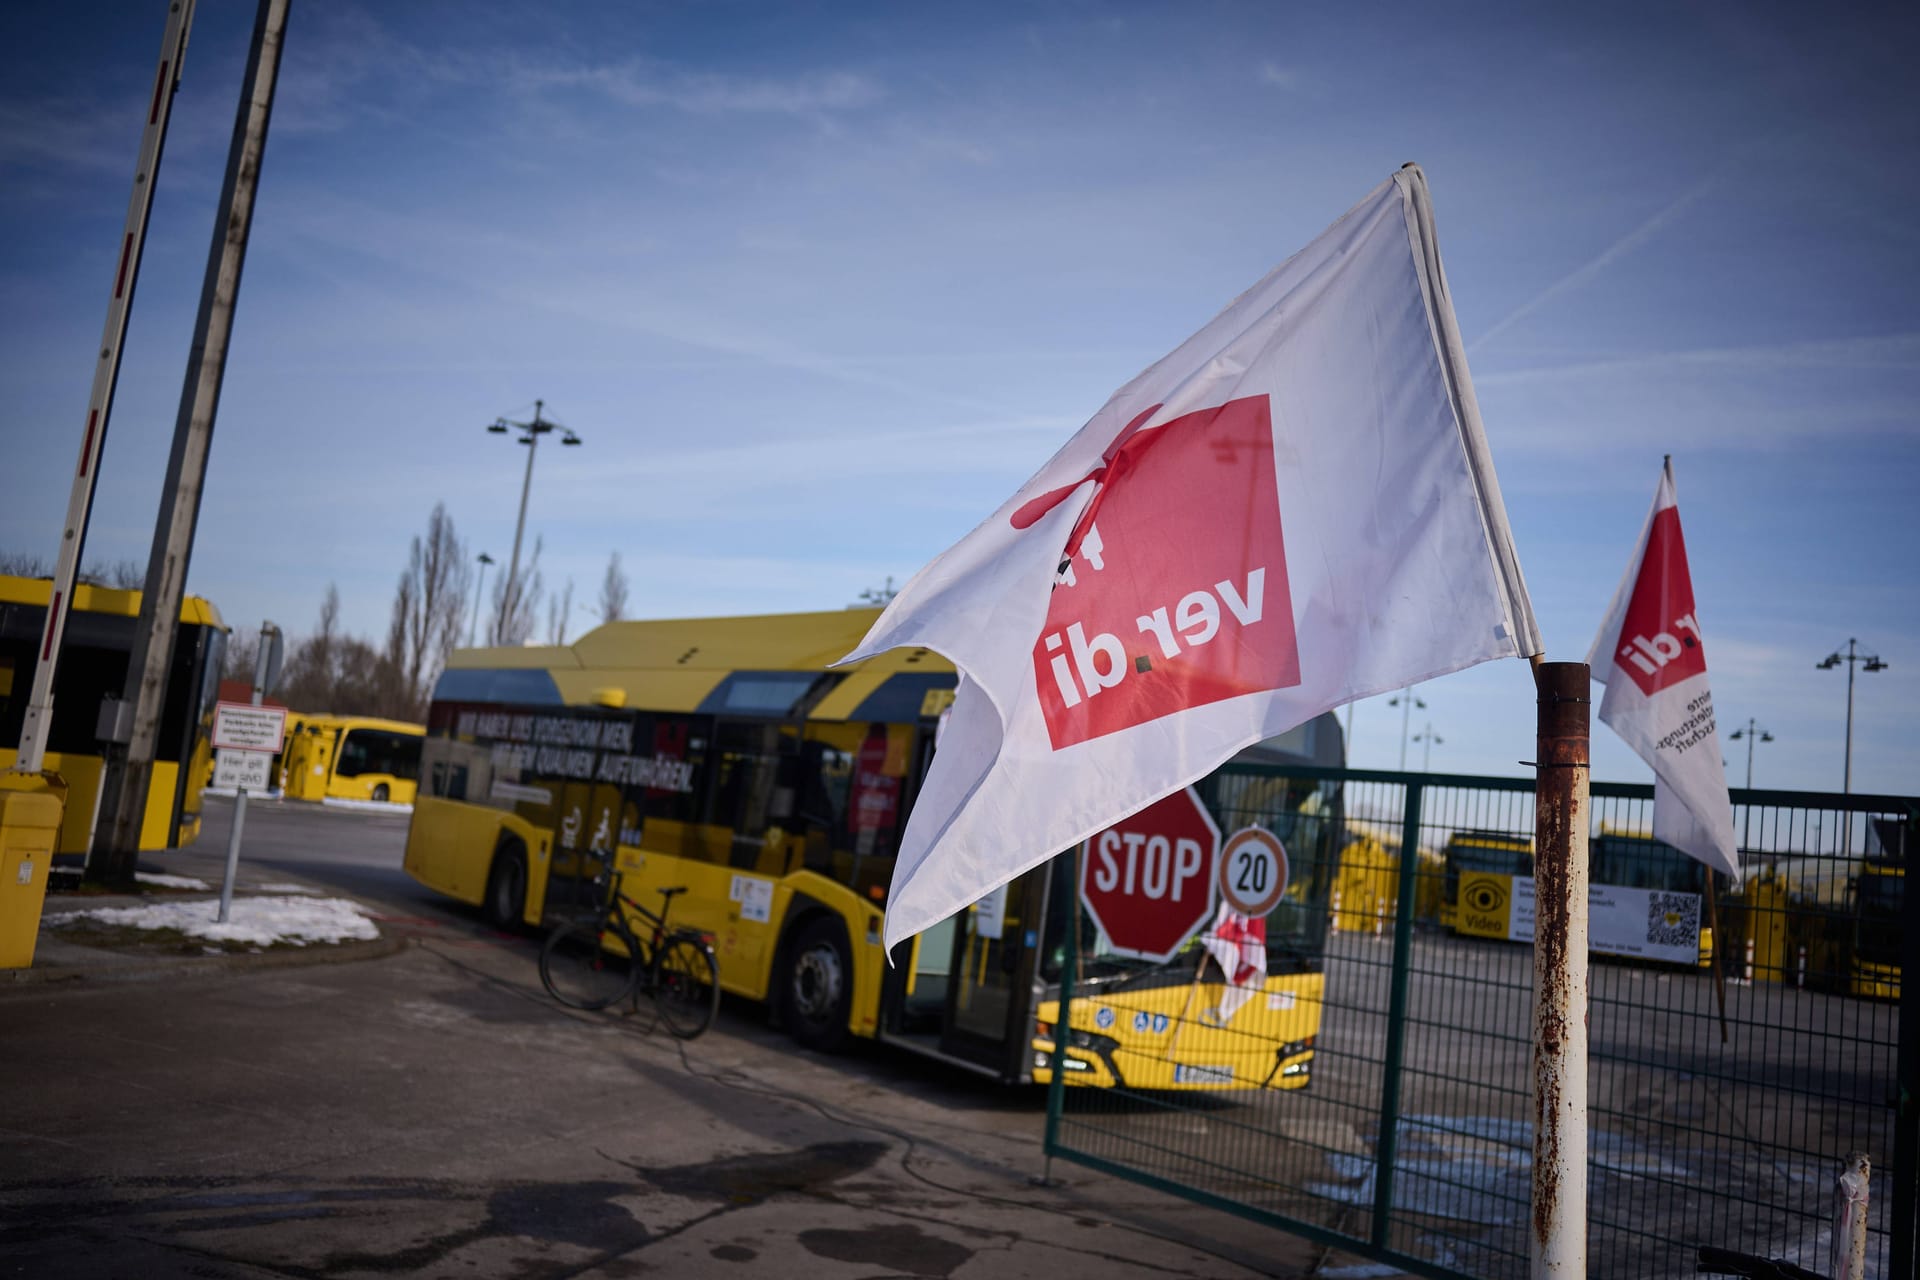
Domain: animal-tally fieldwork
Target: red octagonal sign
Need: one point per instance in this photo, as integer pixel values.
(1148, 880)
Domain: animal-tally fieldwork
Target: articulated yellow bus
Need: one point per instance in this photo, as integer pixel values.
(350, 758)
(722, 755)
(93, 665)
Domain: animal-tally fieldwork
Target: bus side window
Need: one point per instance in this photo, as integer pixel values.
(850, 800)
(748, 803)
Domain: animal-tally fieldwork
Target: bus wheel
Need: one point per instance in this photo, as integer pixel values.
(507, 887)
(380, 793)
(818, 994)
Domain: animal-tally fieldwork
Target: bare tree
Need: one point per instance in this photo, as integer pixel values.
(516, 603)
(312, 672)
(428, 606)
(557, 611)
(341, 674)
(122, 575)
(613, 591)
(24, 564)
(243, 653)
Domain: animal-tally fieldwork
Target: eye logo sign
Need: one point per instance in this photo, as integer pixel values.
(1659, 639)
(1173, 589)
(1487, 896)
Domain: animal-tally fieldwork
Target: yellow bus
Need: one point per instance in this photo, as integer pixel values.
(93, 665)
(1646, 899)
(326, 757)
(1878, 895)
(722, 755)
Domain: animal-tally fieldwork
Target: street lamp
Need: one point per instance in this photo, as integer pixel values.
(530, 433)
(1872, 663)
(479, 594)
(1752, 733)
(1407, 701)
(1429, 738)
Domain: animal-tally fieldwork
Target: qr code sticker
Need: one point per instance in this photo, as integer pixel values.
(1673, 919)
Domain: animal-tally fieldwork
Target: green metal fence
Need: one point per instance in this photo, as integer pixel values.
(1412, 1143)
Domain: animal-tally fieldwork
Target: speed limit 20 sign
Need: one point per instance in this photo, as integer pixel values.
(1253, 871)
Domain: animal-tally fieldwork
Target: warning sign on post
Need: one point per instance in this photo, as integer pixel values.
(242, 727)
(242, 770)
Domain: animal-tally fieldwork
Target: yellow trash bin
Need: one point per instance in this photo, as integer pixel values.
(30, 809)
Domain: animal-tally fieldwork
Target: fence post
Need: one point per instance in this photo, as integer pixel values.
(1849, 1256)
(1906, 1113)
(1386, 1148)
(1062, 1031)
(1561, 817)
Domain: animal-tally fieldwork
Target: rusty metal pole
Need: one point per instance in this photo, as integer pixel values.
(1560, 974)
(1850, 1189)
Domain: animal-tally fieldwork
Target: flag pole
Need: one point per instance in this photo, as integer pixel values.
(1561, 815)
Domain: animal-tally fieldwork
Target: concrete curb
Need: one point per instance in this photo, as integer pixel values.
(15, 980)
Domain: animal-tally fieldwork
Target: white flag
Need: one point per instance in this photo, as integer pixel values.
(1293, 510)
(1653, 659)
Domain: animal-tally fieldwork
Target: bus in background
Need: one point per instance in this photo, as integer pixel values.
(1879, 895)
(722, 755)
(327, 757)
(1647, 900)
(1497, 853)
(93, 666)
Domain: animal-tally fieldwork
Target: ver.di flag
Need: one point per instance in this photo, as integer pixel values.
(1294, 509)
(1652, 658)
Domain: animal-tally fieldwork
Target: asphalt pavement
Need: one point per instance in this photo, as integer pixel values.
(416, 1105)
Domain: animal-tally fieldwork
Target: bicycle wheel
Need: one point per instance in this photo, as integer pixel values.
(589, 964)
(686, 987)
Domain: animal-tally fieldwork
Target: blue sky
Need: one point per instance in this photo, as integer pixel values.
(819, 286)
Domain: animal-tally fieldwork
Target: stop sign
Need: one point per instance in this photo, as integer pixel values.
(1148, 880)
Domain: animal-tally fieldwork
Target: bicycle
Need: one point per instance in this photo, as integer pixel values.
(598, 961)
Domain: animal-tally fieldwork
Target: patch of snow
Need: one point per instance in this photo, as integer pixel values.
(282, 888)
(162, 881)
(260, 921)
(369, 806)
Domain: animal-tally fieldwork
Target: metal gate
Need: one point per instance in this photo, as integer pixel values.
(1412, 1144)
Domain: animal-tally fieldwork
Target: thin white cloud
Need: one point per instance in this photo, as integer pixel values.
(1613, 253)
(639, 83)
(1278, 76)
(1885, 351)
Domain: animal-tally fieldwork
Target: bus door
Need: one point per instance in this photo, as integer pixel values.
(968, 992)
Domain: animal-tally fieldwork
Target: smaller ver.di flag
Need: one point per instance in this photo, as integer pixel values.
(1294, 509)
(1652, 658)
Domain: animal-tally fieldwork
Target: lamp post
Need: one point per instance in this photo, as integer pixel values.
(1872, 663)
(1752, 733)
(1427, 753)
(530, 433)
(1429, 737)
(1406, 700)
(479, 594)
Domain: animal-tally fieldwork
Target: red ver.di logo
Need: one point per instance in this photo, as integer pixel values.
(1659, 640)
(1173, 590)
